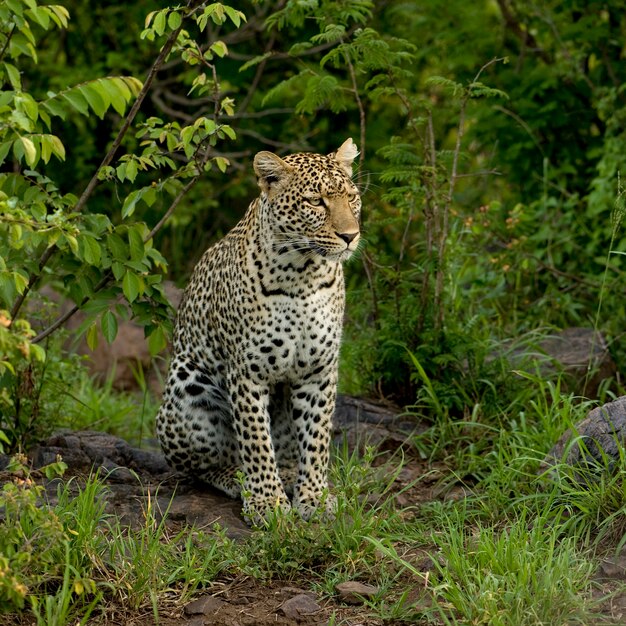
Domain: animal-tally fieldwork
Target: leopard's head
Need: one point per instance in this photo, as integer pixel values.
(312, 204)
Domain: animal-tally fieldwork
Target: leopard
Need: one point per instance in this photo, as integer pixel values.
(251, 386)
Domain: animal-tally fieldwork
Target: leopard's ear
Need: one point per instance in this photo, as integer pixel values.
(271, 170)
(346, 154)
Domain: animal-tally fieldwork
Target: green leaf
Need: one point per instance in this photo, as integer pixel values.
(222, 163)
(91, 250)
(41, 16)
(57, 147)
(108, 324)
(227, 130)
(60, 15)
(30, 152)
(157, 340)
(219, 48)
(92, 337)
(45, 147)
(159, 22)
(135, 240)
(235, 16)
(94, 98)
(13, 75)
(255, 61)
(117, 247)
(71, 241)
(128, 208)
(131, 286)
(76, 100)
(131, 170)
(37, 352)
(118, 270)
(119, 94)
(174, 20)
(20, 281)
(4, 150)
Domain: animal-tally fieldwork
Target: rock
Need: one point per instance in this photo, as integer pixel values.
(601, 434)
(584, 356)
(137, 479)
(353, 410)
(579, 353)
(206, 605)
(355, 592)
(299, 606)
(362, 423)
(86, 450)
(289, 592)
(613, 568)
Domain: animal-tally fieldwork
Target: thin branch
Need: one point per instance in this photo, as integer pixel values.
(257, 76)
(6, 43)
(513, 23)
(359, 102)
(172, 208)
(165, 50)
(66, 316)
(480, 173)
(32, 279)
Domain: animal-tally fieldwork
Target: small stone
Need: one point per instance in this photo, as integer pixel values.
(206, 605)
(614, 568)
(289, 592)
(354, 592)
(299, 606)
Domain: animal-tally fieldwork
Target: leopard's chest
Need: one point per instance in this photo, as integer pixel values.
(290, 337)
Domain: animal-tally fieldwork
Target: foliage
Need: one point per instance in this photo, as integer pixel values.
(30, 536)
(107, 265)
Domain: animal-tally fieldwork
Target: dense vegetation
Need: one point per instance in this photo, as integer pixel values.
(492, 139)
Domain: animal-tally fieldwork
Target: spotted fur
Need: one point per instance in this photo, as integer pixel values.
(252, 381)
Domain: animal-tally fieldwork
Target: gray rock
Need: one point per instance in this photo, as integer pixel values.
(584, 357)
(361, 422)
(86, 450)
(601, 435)
(299, 606)
(355, 592)
(613, 568)
(206, 605)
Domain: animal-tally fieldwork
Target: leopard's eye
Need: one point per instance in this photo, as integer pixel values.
(315, 201)
(352, 197)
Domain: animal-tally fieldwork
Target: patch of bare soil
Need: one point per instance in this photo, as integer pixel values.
(247, 602)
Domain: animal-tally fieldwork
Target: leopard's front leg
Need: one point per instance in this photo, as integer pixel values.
(313, 408)
(262, 488)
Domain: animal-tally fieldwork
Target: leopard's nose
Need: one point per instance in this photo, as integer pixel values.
(347, 237)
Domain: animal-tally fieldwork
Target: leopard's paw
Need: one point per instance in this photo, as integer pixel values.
(323, 504)
(257, 509)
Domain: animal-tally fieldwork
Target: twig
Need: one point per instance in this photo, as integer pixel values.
(6, 43)
(526, 37)
(257, 76)
(172, 208)
(359, 102)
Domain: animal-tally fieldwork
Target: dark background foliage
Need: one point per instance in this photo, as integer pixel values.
(492, 140)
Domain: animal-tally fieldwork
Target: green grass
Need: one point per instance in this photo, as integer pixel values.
(518, 550)
(94, 405)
